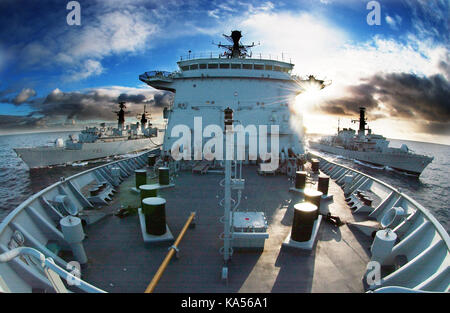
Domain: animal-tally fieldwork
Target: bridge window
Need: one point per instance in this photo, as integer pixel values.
(202, 66)
(247, 66)
(235, 66)
(277, 68)
(185, 68)
(224, 65)
(258, 67)
(269, 67)
(285, 69)
(213, 65)
(194, 67)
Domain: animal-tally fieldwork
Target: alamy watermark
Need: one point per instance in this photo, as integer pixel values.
(213, 149)
(74, 16)
(373, 273)
(74, 268)
(374, 16)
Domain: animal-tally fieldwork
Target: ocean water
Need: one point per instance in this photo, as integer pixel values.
(431, 189)
(17, 183)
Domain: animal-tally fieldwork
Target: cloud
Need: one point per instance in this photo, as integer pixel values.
(97, 104)
(24, 95)
(140, 98)
(113, 32)
(163, 99)
(430, 19)
(376, 73)
(444, 66)
(399, 95)
(78, 52)
(328, 51)
(394, 22)
(21, 122)
(87, 69)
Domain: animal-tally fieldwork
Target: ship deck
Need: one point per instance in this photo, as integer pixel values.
(119, 261)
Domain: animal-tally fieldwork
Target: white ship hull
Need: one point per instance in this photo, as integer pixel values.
(48, 156)
(257, 97)
(405, 162)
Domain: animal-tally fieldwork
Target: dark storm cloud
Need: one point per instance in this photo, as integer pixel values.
(163, 99)
(21, 122)
(422, 100)
(77, 106)
(361, 95)
(438, 128)
(425, 98)
(132, 98)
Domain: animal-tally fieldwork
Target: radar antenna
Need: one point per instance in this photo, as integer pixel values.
(236, 50)
(145, 116)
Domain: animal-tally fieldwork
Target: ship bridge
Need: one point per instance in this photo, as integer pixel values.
(158, 79)
(259, 90)
(217, 68)
(235, 62)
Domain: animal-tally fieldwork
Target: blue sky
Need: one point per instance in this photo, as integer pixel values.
(48, 68)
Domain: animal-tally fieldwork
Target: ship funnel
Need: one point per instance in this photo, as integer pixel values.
(362, 119)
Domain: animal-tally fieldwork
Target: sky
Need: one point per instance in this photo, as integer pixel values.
(59, 76)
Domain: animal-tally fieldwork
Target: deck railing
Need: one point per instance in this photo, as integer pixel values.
(53, 272)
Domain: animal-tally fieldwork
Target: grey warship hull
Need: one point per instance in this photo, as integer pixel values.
(405, 162)
(47, 156)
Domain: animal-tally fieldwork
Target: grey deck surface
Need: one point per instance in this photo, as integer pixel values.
(119, 261)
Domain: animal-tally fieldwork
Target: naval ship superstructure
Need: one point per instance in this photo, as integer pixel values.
(93, 143)
(372, 148)
(259, 91)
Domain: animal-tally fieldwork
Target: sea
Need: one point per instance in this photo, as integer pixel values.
(17, 182)
(431, 189)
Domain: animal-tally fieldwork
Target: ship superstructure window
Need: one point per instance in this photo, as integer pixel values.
(269, 67)
(235, 66)
(277, 68)
(193, 67)
(213, 65)
(247, 66)
(224, 65)
(185, 68)
(285, 69)
(258, 67)
(202, 66)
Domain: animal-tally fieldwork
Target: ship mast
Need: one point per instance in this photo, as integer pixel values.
(236, 50)
(144, 119)
(121, 115)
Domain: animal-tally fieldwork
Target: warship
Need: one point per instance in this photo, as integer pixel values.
(372, 148)
(233, 224)
(93, 143)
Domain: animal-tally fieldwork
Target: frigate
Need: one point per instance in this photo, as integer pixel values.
(93, 143)
(372, 148)
(307, 225)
